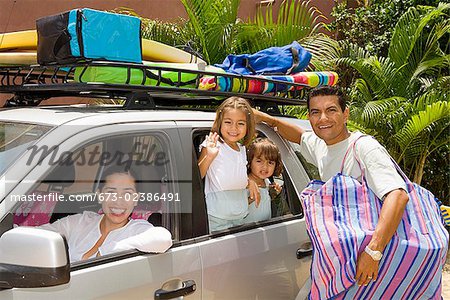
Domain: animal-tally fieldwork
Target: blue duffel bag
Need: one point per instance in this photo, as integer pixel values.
(87, 34)
(289, 59)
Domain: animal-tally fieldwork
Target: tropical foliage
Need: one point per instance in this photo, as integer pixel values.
(295, 20)
(214, 30)
(370, 25)
(403, 98)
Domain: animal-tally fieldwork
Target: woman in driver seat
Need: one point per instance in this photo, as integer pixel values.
(91, 234)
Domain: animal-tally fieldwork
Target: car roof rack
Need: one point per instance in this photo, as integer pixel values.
(33, 84)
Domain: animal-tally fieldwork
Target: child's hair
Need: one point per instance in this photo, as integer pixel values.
(240, 104)
(263, 147)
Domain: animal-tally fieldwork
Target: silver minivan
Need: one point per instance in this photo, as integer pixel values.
(51, 159)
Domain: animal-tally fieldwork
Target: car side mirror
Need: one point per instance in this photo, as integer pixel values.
(31, 258)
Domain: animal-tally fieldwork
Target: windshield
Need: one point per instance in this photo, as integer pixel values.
(15, 139)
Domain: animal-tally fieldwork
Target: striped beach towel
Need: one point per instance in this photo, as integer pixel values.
(341, 215)
(256, 86)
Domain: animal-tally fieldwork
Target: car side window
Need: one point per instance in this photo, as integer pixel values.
(285, 203)
(70, 185)
(311, 170)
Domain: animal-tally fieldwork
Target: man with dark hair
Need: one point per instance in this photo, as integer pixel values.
(326, 148)
(328, 91)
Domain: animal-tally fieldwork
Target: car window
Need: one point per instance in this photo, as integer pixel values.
(285, 203)
(70, 185)
(15, 138)
(310, 169)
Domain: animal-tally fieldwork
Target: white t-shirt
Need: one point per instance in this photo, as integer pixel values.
(228, 171)
(381, 175)
(226, 182)
(82, 231)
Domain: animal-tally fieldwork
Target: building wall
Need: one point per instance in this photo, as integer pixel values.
(21, 15)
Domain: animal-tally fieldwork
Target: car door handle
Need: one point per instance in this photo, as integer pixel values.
(189, 286)
(305, 250)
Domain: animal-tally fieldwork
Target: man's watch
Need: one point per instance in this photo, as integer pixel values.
(376, 255)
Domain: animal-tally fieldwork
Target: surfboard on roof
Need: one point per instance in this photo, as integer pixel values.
(18, 41)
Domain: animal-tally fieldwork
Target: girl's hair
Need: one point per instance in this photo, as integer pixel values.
(263, 147)
(117, 170)
(242, 105)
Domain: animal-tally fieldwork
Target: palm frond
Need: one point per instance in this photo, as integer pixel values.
(380, 75)
(300, 112)
(426, 125)
(212, 25)
(442, 84)
(374, 111)
(356, 126)
(325, 51)
(427, 98)
(352, 51)
(361, 93)
(411, 45)
(164, 32)
(432, 64)
(295, 21)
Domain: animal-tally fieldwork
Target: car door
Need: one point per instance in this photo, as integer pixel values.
(267, 260)
(128, 274)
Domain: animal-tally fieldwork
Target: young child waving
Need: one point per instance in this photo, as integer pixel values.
(223, 161)
(264, 161)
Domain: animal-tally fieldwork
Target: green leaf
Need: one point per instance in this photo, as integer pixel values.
(296, 20)
(425, 127)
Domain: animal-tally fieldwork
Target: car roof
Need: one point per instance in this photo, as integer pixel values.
(55, 116)
(103, 115)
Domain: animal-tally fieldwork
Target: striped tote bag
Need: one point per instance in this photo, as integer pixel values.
(341, 215)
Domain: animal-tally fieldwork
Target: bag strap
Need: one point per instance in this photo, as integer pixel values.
(189, 49)
(411, 191)
(352, 147)
(248, 66)
(168, 80)
(295, 60)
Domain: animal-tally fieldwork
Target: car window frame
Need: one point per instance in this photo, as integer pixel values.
(289, 157)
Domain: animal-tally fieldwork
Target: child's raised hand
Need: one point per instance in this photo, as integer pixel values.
(211, 144)
(276, 187)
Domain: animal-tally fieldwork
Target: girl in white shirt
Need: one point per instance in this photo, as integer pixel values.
(223, 164)
(264, 162)
(90, 234)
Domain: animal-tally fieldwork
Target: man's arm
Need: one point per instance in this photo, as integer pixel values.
(287, 130)
(391, 214)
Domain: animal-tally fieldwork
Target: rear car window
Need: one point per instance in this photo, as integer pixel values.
(311, 170)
